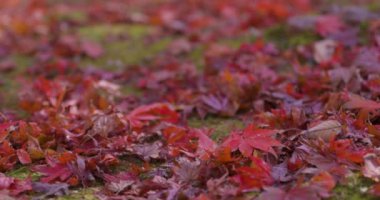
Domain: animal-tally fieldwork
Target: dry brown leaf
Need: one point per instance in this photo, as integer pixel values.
(324, 130)
(324, 50)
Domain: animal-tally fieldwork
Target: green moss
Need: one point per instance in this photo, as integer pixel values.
(23, 173)
(374, 6)
(235, 42)
(10, 86)
(130, 90)
(354, 189)
(100, 32)
(22, 62)
(123, 53)
(364, 36)
(196, 56)
(130, 51)
(275, 34)
(77, 16)
(221, 126)
(80, 194)
(302, 38)
(285, 38)
(8, 90)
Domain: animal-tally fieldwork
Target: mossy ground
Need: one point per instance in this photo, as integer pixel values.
(285, 38)
(123, 45)
(10, 83)
(355, 189)
(221, 126)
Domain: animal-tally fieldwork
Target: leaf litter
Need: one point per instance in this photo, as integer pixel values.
(310, 110)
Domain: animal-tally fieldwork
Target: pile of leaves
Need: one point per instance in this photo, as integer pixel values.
(310, 111)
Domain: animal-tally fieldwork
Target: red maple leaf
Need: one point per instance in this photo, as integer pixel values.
(345, 150)
(149, 113)
(13, 185)
(256, 176)
(324, 182)
(252, 138)
(206, 146)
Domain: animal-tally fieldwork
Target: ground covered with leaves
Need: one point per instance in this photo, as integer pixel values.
(189, 99)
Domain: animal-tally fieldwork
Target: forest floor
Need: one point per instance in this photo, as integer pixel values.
(114, 45)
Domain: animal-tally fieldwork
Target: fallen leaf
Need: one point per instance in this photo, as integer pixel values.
(148, 151)
(325, 181)
(49, 189)
(357, 102)
(371, 168)
(187, 170)
(324, 50)
(325, 130)
(256, 176)
(328, 24)
(150, 113)
(23, 156)
(252, 138)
